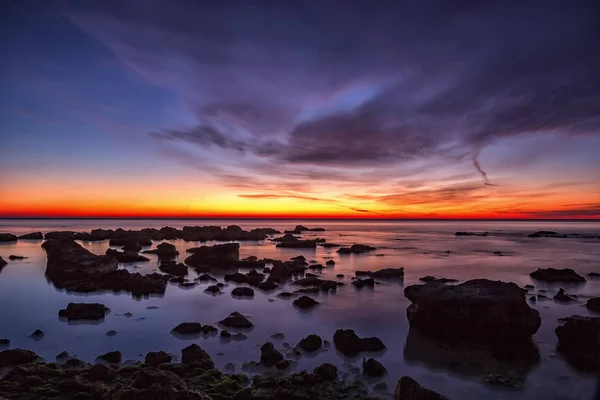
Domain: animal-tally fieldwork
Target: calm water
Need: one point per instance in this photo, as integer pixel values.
(28, 301)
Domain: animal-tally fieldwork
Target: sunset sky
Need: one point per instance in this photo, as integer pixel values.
(359, 109)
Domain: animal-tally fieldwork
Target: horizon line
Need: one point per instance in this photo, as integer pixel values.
(592, 219)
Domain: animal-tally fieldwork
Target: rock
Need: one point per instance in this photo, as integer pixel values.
(278, 336)
(2, 263)
(349, 344)
(529, 287)
(327, 372)
(63, 355)
(287, 242)
(206, 278)
(372, 367)
(310, 343)
(305, 302)
(386, 273)
(340, 276)
(250, 279)
(37, 335)
(268, 285)
(112, 357)
(111, 333)
(4, 342)
(126, 256)
(545, 234)
(87, 311)
(593, 304)
(562, 297)
(321, 284)
(157, 358)
(173, 268)
(10, 358)
(209, 329)
(147, 377)
(218, 256)
(177, 279)
(408, 389)
(100, 372)
(566, 275)
(194, 353)
(470, 234)
(579, 342)
(269, 356)
(7, 237)
(187, 285)
(330, 263)
(12, 257)
(242, 291)
(356, 249)
(187, 328)
(359, 283)
(214, 289)
(32, 236)
(594, 274)
(225, 334)
(132, 246)
(438, 280)
(164, 251)
(480, 309)
(279, 270)
(236, 320)
(285, 294)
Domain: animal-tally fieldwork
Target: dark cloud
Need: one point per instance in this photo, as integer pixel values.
(572, 211)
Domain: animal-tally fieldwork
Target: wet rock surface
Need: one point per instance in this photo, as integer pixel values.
(579, 342)
(242, 292)
(552, 275)
(84, 311)
(372, 367)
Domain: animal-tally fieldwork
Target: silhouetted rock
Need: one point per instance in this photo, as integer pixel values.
(330, 263)
(164, 251)
(7, 237)
(214, 289)
(12, 257)
(279, 270)
(478, 309)
(251, 278)
(438, 280)
(173, 268)
(321, 284)
(85, 311)
(579, 342)
(37, 335)
(359, 283)
(305, 302)
(218, 256)
(594, 274)
(125, 241)
(287, 242)
(2, 263)
(594, 304)
(157, 358)
(126, 256)
(563, 297)
(356, 249)
(408, 389)
(470, 234)
(372, 367)
(236, 320)
(326, 372)
(188, 328)
(112, 357)
(565, 275)
(386, 273)
(132, 246)
(349, 344)
(32, 236)
(193, 354)
(268, 285)
(269, 356)
(4, 342)
(310, 343)
(545, 234)
(12, 357)
(243, 291)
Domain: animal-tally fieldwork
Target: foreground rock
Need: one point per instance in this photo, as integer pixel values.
(408, 389)
(195, 354)
(76, 269)
(356, 249)
(157, 358)
(126, 256)
(10, 358)
(579, 342)
(565, 275)
(593, 304)
(217, 256)
(8, 237)
(479, 310)
(269, 356)
(349, 344)
(236, 320)
(84, 311)
(32, 236)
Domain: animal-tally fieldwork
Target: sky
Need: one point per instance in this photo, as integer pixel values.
(354, 109)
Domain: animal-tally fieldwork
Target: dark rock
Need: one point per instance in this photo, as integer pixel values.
(470, 234)
(278, 336)
(147, 377)
(529, 287)
(32, 236)
(188, 328)
(12, 257)
(329, 245)
(157, 358)
(218, 256)
(557, 275)
(164, 251)
(173, 268)
(386, 273)
(187, 285)
(339, 276)
(4, 342)
(63, 355)
(7, 237)
(88, 311)
(100, 372)
(2, 263)
(37, 335)
(594, 304)
(126, 256)
(279, 270)
(269, 356)
(125, 241)
(209, 329)
(322, 284)
(236, 320)
(579, 342)
(408, 389)
(10, 358)
(545, 234)
(285, 294)
(438, 280)
(296, 243)
(112, 357)
(225, 334)
(349, 344)
(326, 372)
(206, 278)
(214, 289)
(194, 353)
(311, 343)
(356, 249)
(372, 367)
(305, 302)
(359, 283)
(111, 333)
(562, 296)
(478, 309)
(330, 263)
(250, 278)
(243, 291)
(283, 364)
(268, 285)
(132, 246)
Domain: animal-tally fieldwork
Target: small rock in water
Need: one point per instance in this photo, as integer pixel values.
(305, 302)
(112, 357)
(278, 336)
(372, 367)
(111, 333)
(561, 296)
(37, 335)
(4, 342)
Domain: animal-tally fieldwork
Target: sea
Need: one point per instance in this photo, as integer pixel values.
(28, 301)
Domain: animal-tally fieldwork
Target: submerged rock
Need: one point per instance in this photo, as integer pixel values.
(479, 309)
(579, 342)
(85, 311)
(236, 320)
(12, 257)
(2, 263)
(37, 335)
(305, 302)
(356, 249)
(126, 256)
(32, 236)
(566, 275)
(470, 234)
(217, 256)
(545, 234)
(269, 356)
(349, 344)
(438, 280)
(408, 389)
